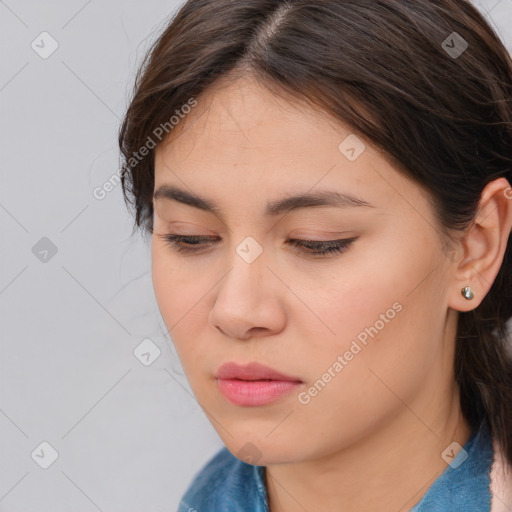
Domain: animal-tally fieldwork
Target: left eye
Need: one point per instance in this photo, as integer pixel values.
(309, 247)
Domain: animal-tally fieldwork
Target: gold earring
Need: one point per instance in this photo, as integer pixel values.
(467, 293)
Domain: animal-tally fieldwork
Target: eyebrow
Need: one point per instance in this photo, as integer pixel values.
(287, 204)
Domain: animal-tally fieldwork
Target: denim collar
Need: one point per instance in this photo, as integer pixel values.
(465, 483)
(227, 483)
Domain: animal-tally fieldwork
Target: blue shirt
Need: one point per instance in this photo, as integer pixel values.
(227, 484)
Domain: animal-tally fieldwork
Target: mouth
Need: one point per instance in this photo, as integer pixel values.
(254, 384)
(253, 372)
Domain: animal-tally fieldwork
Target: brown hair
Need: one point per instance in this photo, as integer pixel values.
(441, 112)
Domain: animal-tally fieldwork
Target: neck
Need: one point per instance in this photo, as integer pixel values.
(390, 469)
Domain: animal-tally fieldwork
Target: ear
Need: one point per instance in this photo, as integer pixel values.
(483, 245)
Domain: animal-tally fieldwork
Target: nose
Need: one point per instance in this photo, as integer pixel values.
(249, 301)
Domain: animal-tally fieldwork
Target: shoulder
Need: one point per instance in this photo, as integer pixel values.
(225, 483)
(501, 481)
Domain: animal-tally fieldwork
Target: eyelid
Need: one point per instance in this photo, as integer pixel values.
(324, 248)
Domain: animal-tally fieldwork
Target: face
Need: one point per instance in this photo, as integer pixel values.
(364, 327)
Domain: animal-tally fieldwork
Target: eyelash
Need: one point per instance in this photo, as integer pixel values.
(323, 247)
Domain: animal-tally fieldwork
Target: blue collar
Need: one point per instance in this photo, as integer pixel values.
(227, 483)
(465, 483)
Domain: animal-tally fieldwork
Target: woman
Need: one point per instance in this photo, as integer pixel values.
(327, 186)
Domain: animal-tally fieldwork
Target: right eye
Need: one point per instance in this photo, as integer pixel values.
(195, 242)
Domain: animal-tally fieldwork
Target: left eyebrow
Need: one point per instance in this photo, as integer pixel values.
(287, 204)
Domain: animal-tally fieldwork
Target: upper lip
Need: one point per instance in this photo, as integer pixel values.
(251, 371)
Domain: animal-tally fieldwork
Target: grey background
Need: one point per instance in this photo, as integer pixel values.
(129, 436)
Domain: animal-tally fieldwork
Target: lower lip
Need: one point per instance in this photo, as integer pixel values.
(255, 392)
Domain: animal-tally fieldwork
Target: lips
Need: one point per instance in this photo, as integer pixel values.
(254, 385)
(252, 372)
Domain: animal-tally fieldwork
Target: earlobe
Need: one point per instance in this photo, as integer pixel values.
(484, 245)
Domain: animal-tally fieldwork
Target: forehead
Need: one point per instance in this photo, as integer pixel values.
(244, 139)
(244, 124)
(245, 114)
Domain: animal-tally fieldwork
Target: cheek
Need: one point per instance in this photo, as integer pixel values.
(182, 297)
(389, 323)
(360, 300)
(386, 314)
(377, 366)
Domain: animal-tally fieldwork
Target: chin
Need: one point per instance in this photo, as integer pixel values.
(263, 453)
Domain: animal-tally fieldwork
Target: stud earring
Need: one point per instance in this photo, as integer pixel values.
(467, 293)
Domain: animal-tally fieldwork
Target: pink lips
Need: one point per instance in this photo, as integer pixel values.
(253, 384)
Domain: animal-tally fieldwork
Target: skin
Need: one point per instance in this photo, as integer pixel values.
(394, 407)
